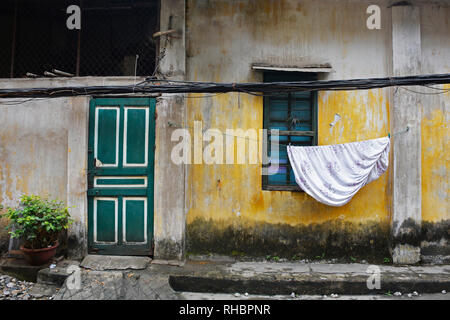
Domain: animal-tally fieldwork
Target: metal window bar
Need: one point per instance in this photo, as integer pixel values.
(291, 185)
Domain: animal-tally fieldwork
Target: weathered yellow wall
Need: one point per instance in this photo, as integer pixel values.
(227, 201)
(229, 198)
(436, 162)
(435, 119)
(220, 191)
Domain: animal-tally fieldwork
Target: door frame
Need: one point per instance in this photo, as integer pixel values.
(149, 172)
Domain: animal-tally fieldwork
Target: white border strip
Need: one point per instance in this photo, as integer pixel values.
(116, 207)
(125, 163)
(96, 185)
(124, 219)
(116, 163)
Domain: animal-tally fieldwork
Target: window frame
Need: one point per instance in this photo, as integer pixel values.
(302, 76)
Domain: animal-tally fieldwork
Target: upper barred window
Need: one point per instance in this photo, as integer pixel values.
(36, 39)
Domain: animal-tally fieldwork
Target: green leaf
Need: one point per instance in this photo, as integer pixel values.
(38, 220)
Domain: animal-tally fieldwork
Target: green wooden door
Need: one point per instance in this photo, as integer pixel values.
(120, 176)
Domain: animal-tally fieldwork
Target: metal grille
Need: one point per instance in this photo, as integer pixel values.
(291, 113)
(35, 38)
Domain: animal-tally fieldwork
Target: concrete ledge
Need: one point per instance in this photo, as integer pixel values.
(315, 286)
(54, 276)
(100, 263)
(20, 269)
(57, 275)
(169, 262)
(307, 279)
(435, 259)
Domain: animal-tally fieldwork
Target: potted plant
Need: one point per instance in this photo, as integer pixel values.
(38, 222)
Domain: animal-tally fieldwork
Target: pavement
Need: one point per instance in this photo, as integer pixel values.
(118, 285)
(138, 278)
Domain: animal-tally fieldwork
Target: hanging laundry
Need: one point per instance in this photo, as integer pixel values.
(333, 174)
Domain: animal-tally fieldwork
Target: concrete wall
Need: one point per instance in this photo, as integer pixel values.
(406, 147)
(222, 208)
(228, 212)
(421, 223)
(169, 177)
(43, 150)
(33, 150)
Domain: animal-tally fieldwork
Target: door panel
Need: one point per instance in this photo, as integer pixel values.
(120, 176)
(120, 182)
(135, 137)
(107, 136)
(105, 220)
(134, 220)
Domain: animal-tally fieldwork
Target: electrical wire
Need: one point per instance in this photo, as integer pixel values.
(440, 89)
(153, 86)
(425, 93)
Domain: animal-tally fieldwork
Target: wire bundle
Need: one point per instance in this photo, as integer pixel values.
(157, 86)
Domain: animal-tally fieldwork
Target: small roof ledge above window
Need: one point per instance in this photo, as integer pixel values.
(313, 68)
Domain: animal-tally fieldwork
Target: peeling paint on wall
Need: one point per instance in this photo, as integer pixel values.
(282, 33)
(225, 203)
(435, 127)
(240, 188)
(33, 157)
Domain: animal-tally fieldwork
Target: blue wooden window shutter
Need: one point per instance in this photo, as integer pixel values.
(295, 115)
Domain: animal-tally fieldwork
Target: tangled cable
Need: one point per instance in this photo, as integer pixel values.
(158, 86)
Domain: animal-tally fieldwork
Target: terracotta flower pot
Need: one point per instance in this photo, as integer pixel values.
(38, 257)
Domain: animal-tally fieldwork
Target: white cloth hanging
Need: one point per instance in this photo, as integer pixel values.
(333, 174)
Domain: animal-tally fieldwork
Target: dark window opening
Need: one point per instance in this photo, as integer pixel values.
(295, 115)
(35, 37)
